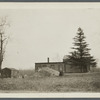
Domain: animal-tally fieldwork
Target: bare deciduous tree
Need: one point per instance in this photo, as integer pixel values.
(3, 39)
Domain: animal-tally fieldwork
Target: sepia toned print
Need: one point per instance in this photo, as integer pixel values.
(49, 48)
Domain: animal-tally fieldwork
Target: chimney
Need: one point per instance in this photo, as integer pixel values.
(48, 59)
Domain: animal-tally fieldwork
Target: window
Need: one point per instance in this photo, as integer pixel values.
(52, 65)
(44, 65)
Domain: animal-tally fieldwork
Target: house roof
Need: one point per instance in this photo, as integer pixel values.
(50, 63)
(9, 68)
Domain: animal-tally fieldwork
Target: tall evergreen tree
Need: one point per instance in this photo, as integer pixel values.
(81, 56)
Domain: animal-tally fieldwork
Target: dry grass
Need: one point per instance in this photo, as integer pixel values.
(73, 82)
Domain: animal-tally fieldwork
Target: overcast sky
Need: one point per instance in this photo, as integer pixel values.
(40, 31)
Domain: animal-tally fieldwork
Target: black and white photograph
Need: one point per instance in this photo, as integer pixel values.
(49, 48)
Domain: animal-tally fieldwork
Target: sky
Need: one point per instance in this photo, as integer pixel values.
(38, 31)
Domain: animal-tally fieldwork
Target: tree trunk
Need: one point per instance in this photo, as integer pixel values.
(1, 52)
(86, 68)
(81, 68)
(0, 66)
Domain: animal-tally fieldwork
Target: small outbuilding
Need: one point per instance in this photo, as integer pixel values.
(9, 73)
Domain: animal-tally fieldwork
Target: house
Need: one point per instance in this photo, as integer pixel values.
(9, 73)
(64, 66)
(68, 67)
(59, 66)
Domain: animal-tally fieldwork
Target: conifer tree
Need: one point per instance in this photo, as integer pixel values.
(81, 56)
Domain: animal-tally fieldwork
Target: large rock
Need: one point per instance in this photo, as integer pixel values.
(51, 71)
(46, 71)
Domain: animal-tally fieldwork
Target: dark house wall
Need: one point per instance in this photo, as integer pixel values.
(59, 66)
(72, 69)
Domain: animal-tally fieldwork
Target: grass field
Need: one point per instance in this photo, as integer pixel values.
(72, 82)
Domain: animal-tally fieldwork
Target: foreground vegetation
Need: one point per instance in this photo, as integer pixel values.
(72, 82)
